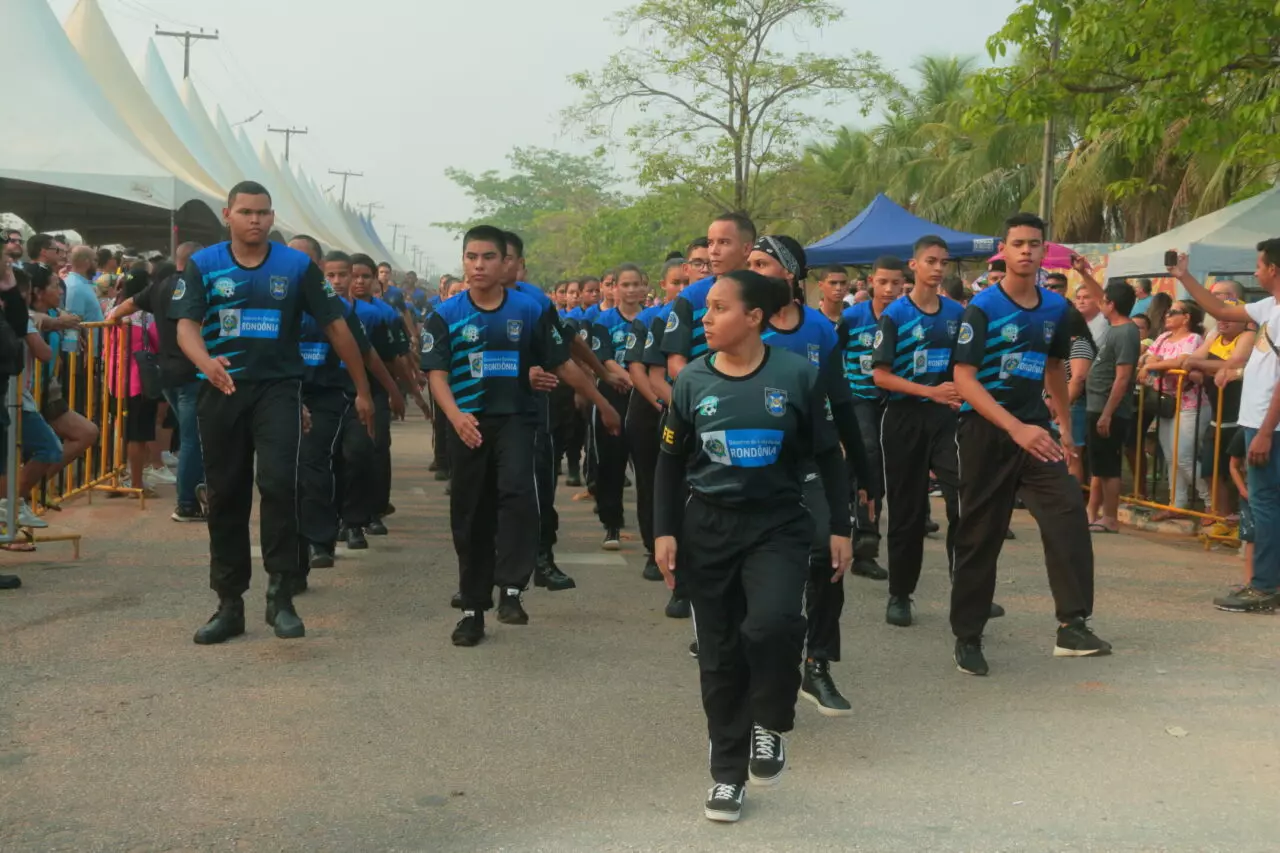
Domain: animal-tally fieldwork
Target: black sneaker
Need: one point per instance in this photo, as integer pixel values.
(996, 611)
(1247, 600)
(678, 608)
(321, 556)
(930, 526)
(573, 480)
(189, 514)
(456, 601)
(356, 540)
(819, 689)
(969, 657)
(899, 611)
(651, 571)
(693, 650)
(612, 539)
(724, 802)
(869, 568)
(441, 476)
(202, 498)
(389, 510)
(1008, 534)
(1076, 640)
(448, 488)
(434, 466)
(768, 756)
(376, 528)
(470, 630)
(510, 610)
(10, 581)
(548, 575)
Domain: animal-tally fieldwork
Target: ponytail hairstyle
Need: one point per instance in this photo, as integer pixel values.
(766, 293)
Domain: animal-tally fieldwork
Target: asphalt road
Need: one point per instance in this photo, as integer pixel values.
(583, 731)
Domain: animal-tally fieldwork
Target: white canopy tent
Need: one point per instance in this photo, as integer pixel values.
(89, 33)
(93, 175)
(1221, 243)
(225, 167)
(167, 100)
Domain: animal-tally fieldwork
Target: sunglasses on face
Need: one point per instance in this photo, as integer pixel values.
(1177, 312)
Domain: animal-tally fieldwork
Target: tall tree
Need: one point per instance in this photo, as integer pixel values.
(720, 102)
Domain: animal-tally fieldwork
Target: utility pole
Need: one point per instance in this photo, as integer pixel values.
(289, 133)
(370, 207)
(346, 175)
(1046, 161)
(406, 243)
(417, 256)
(395, 229)
(187, 37)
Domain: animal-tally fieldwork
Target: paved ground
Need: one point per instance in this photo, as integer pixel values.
(583, 731)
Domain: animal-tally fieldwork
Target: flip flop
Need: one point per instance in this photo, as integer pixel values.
(24, 547)
(1099, 527)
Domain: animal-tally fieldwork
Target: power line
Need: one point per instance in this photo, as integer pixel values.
(346, 175)
(289, 133)
(188, 37)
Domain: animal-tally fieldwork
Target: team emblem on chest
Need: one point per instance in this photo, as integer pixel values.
(514, 328)
(470, 334)
(1049, 328)
(224, 287)
(279, 286)
(1010, 333)
(918, 333)
(775, 401)
(815, 355)
(708, 406)
(952, 326)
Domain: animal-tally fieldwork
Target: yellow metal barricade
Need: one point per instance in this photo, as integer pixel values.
(93, 385)
(1140, 497)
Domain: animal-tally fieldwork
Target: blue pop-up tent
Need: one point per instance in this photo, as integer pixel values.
(886, 228)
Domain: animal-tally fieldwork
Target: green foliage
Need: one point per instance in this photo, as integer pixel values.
(719, 105)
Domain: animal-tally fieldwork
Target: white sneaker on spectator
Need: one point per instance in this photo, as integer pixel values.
(170, 461)
(26, 518)
(159, 476)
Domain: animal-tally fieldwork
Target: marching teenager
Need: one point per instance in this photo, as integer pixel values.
(1010, 349)
(729, 240)
(333, 433)
(911, 357)
(478, 349)
(697, 262)
(239, 307)
(742, 426)
(808, 333)
(547, 574)
(610, 451)
(644, 414)
(575, 430)
(862, 320)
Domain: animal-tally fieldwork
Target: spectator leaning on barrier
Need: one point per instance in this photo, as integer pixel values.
(1219, 364)
(1184, 334)
(140, 416)
(1260, 417)
(59, 330)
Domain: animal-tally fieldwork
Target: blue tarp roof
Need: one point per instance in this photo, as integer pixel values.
(886, 228)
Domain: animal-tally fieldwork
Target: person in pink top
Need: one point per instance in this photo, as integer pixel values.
(1183, 335)
(140, 420)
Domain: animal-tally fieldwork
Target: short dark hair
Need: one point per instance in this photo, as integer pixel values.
(37, 243)
(317, 250)
(831, 269)
(742, 222)
(360, 259)
(587, 278)
(928, 241)
(1144, 284)
(953, 286)
(247, 188)
(486, 234)
(22, 279)
(697, 243)
(1056, 276)
(1270, 249)
(998, 265)
(336, 256)
(1024, 220)
(514, 244)
(673, 255)
(892, 263)
(101, 257)
(621, 268)
(673, 264)
(386, 264)
(1121, 296)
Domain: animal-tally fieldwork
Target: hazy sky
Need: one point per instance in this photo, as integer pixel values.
(401, 90)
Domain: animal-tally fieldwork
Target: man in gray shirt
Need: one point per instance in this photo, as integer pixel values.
(1109, 397)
